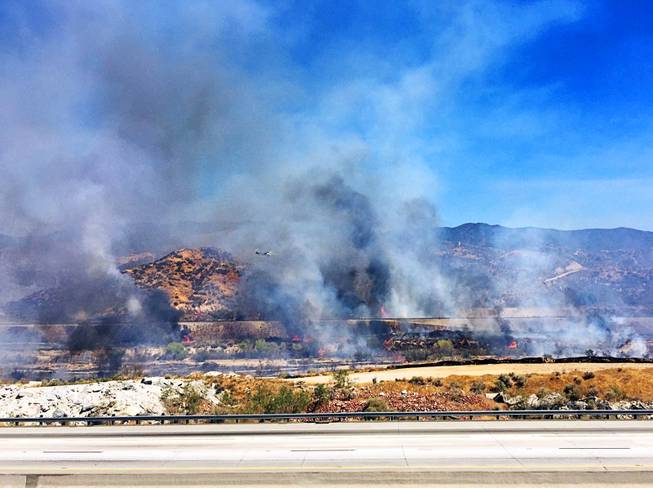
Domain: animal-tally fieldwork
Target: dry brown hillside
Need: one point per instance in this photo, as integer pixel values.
(202, 283)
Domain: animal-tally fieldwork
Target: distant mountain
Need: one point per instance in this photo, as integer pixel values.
(590, 240)
(531, 267)
(483, 266)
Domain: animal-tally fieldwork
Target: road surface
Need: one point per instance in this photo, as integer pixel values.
(519, 453)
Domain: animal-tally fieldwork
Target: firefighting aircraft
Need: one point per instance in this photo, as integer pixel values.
(263, 253)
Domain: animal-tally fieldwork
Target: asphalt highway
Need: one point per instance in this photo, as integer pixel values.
(518, 453)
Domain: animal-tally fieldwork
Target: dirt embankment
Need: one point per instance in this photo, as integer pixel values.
(629, 387)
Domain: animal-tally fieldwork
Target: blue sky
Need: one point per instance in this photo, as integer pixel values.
(517, 113)
(552, 129)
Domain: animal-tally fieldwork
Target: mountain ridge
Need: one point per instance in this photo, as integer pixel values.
(486, 265)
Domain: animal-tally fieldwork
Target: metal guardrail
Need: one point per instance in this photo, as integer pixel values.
(432, 415)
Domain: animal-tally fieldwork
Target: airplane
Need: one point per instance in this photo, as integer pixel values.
(263, 253)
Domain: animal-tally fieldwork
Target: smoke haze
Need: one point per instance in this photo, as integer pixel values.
(119, 117)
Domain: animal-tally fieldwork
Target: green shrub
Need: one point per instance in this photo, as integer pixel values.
(261, 345)
(615, 394)
(572, 392)
(341, 379)
(176, 350)
(376, 405)
(285, 400)
(186, 402)
(321, 394)
(502, 383)
(542, 392)
(417, 380)
(477, 387)
(227, 399)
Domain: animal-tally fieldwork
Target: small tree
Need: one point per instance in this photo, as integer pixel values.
(321, 394)
(341, 379)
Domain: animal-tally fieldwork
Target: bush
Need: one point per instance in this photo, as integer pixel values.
(227, 399)
(588, 375)
(417, 380)
(615, 394)
(341, 379)
(477, 387)
(321, 394)
(502, 383)
(437, 382)
(445, 346)
(572, 392)
(176, 350)
(376, 405)
(186, 402)
(518, 380)
(261, 345)
(455, 385)
(285, 400)
(542, 392)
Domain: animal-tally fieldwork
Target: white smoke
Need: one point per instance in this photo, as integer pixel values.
(122, 113)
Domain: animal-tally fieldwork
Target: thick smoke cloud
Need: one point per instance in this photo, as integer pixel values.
(109, 124)
(119, 117)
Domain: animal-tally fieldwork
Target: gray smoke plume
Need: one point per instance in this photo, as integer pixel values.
(122, 119)
(107, 125)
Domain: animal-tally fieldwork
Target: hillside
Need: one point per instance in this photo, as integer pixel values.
(606, 269)
(488, 265)
(202, 283)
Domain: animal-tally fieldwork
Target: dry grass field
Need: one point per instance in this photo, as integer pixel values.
(479, 370)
